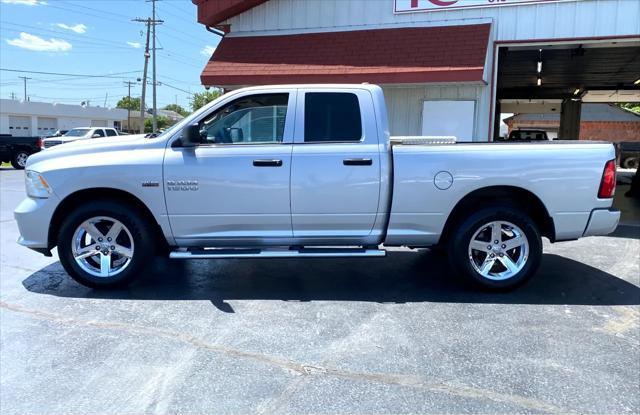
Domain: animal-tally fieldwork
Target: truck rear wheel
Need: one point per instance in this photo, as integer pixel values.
(498, 248)
(105, 244)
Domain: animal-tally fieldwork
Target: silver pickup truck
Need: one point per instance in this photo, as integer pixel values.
(310, 171)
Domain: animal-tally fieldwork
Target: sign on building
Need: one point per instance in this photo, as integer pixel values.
(403, 6)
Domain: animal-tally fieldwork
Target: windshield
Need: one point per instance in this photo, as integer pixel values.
(77, 132)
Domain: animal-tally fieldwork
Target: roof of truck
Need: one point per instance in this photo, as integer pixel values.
(315, 86)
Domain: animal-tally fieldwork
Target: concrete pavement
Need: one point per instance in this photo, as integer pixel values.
(388, 335)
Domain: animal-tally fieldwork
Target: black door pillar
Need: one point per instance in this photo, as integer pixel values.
(496, 122)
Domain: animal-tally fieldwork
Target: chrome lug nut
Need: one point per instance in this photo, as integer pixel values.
(489, 247)
(504, 246)
(496, 242)
(97, 247)
(109, 239)
(113, 247)
(99, 239)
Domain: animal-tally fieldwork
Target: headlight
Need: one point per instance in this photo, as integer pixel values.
(37, 186)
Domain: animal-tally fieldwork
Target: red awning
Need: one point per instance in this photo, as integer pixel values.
(382, 56)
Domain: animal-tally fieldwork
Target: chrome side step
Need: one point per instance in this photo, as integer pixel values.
(204, 253)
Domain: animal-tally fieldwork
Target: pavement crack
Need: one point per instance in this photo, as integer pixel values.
(170, 334)
(304, 371)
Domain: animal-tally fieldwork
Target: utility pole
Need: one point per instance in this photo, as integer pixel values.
(155, 115)
(144, 74)
(129, 83)
(24, 78)
(150, 22)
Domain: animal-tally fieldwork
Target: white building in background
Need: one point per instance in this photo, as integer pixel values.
(29, 118)
(447, 67)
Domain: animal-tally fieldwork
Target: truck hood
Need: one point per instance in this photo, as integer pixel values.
(91, 146)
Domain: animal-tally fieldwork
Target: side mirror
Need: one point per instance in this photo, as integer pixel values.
(96, 136)
(191, 136)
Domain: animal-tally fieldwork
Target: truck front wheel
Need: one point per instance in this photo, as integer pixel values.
(498, 248)
(19, 159)
(105, 244)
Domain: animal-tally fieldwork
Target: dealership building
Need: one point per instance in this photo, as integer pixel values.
(31, 118)
(447, 67)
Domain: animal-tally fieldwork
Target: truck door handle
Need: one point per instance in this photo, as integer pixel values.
(267, 163)
(357, 162)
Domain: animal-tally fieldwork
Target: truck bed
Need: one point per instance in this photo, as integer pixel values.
(430, 177)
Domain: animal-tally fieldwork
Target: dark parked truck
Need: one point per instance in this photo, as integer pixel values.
(16, 150)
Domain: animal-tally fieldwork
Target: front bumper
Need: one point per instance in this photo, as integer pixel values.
(602, 222)
(34, 218)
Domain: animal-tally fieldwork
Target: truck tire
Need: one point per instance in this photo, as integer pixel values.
(105, 244)
(631, 162)
(497, 248)
(19, 159)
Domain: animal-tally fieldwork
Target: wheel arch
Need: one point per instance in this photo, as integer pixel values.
(84, 196)
(508, 195)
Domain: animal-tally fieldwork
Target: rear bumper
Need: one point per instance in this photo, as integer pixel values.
(602, 222)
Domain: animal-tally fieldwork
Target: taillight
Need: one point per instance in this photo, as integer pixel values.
(608, 182)
(39, 143)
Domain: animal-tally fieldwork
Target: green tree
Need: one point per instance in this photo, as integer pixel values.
(163, 122)
(176, 108)
(129, 103)
(631, 106)
(201, 99)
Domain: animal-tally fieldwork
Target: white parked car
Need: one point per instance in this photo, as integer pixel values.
(76, 134)
(305, 171)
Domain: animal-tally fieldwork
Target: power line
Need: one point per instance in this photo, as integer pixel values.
(96, 10)
(176, 88)
(180, 10)
(177, 17)
(182, 81)
(113, 75)
(85, 13)
(62, 35)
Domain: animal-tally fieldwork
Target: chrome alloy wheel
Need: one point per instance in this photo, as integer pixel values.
(102, 246)
(498, 250)
(21, 159)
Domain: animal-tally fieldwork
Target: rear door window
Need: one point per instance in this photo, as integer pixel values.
(111, 133)
(331, 117)
(100, 133)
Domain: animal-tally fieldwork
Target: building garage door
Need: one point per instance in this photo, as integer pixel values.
(99, 123)
(19, 126)
(47, 126)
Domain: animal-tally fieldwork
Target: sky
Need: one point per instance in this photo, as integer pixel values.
(95, 37)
